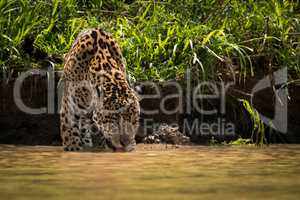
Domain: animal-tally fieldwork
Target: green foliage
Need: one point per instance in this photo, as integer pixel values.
(240, 141)
(161, 39)
(258, 130)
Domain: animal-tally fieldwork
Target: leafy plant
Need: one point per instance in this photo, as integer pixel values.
(161, 39)
(258, 130)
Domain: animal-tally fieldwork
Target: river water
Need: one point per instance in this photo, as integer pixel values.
(151, 172)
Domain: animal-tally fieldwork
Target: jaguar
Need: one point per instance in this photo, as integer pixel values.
(99, 109)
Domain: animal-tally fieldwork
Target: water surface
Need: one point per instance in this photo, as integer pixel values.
(151, 172)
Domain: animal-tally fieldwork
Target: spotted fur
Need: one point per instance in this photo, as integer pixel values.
(99, 109)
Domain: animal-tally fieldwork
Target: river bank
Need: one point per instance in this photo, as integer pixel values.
(17, 127)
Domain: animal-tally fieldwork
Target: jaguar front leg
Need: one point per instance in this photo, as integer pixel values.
(70, 133)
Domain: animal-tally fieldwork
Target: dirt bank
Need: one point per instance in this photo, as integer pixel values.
(17, 127)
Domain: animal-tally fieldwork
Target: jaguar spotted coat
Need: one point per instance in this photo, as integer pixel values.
(99, 109)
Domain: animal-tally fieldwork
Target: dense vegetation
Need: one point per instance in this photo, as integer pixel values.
(218, 39)
(160, 39)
